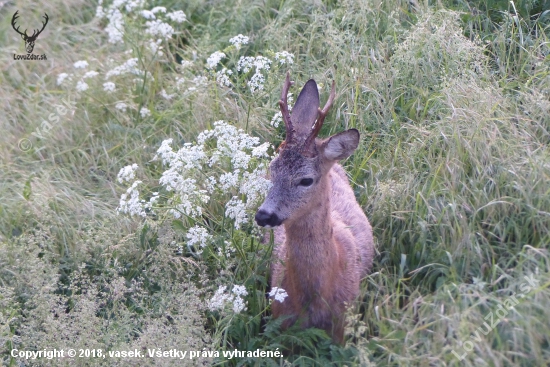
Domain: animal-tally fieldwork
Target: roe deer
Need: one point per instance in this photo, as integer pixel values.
(325, 245)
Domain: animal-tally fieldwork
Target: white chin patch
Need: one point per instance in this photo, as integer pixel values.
(269, 227)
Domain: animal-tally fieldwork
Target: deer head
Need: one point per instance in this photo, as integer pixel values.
(300, 170)
(29, 40)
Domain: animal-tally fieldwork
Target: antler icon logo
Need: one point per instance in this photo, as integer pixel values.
(29, 40)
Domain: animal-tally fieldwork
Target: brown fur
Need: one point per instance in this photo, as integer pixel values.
(321, 256)
(324, 245)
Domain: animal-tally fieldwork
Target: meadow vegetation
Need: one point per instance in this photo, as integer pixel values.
(134, 158)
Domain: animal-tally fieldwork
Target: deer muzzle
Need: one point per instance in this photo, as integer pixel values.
(267, 219)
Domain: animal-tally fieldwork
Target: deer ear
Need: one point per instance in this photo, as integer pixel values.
(341, 145)
(304, 113)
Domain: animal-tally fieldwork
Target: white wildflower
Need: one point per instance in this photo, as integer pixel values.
(229, 250)
(238, 305)
(198, 236)
(240, 159)
(276, 119)
(220, 299)
(90, 74)
(155, 47)
(177, 16)
(186, 63)
(148, 14)
(278, 293)
(165, 152)
(109, 87)
(81, 86)
(189, 157)
(214, 59)
(61, 78)
(255, 186)
(128, 67)
(121, 106)
(245, 63)
(127, 173)
(199, 81)
(284, 57)
(188, 194)
(235, 209)
(222, 77)
(166, 95)
(210, 184)
(144, 112)
(158, 9)
(239, 40)
(256, 83)
(261, 151)
(240, 290)
(159, 28)
(99, 12)
(261, 63)
(115, 28)
(152, 201)
(229, 180)
(179, 82)
(130, 4)
(81, 64)
(207, 134)
(132, 205)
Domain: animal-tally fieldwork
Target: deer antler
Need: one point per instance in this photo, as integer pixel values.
(308, 144)
(34, 34)
(13, 19)
(283, 104)
(25, 35)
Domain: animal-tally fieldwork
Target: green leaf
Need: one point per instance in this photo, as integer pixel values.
(27, 190)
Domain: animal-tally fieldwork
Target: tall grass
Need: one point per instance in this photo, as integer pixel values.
(452, 102)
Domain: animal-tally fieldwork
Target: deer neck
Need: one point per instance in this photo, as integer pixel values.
(309, 236)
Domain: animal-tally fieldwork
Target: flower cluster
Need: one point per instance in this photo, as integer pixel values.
(214, 59)
(238, 41)
(279, 294)
(130, 66)
(260, 65)
(156, 22)
(221, 298)
(222, 77)
(284, 57)
(224, 163)
(198, 236)
(155, 25)
(130, 202)
(127, 173)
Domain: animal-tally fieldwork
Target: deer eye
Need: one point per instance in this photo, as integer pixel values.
(306, 182)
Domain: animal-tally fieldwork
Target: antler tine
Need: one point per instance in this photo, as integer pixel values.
(324, 112)
(46, 22)
(13, 19)
(283, 104)
(321, 117)
(34, 34)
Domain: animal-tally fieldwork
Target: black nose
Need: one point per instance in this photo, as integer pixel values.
(267, 219)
